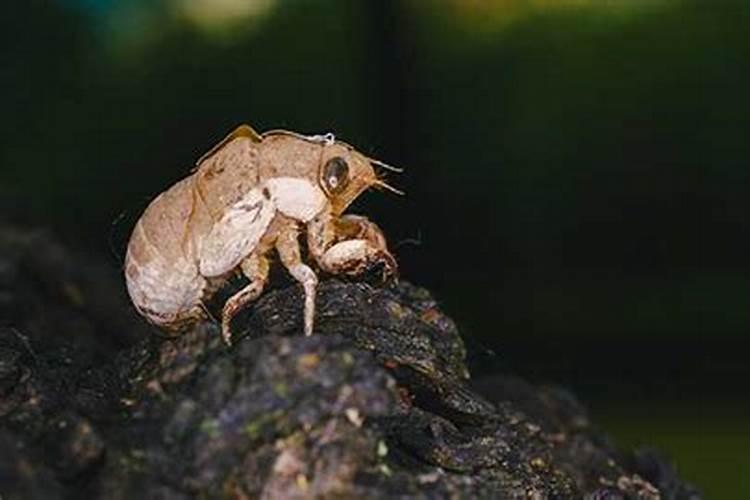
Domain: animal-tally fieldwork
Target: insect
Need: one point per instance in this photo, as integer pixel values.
(249, 195)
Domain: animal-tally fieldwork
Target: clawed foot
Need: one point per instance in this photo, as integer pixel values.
(364, 251)
(355, 257)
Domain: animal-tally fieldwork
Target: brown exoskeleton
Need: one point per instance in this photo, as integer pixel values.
(250, 194)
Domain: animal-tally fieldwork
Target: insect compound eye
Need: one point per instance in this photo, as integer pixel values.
(335, 175)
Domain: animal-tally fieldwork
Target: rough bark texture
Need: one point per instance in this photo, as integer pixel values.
(376, 405)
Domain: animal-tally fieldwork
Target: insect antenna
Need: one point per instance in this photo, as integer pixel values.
(379, 182)
(386, 166)
(384, 185)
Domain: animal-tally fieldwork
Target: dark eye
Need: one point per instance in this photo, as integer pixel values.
(335, 175)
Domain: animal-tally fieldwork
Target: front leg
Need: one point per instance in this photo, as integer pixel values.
(359, 227)
(287, 245)
(349, 245)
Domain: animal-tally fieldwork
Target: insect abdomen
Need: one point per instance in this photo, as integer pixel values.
(160, 269)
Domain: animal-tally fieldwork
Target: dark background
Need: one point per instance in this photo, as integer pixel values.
(576, 173)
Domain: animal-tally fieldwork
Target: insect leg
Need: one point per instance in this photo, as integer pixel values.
(287, 245)
(360, 227)
(255, 268)
(321, 234)
(348, 245)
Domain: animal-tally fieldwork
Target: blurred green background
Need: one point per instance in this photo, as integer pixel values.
(577, 171)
